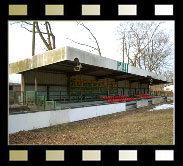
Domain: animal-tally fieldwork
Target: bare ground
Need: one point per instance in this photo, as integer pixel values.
(136, 126)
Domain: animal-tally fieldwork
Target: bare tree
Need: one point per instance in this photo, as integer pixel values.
(92, 37)
(144, 45)
(43, 29)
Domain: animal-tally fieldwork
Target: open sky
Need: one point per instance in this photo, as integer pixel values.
(20, 40)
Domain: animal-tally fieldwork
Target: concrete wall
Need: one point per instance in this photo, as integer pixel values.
(144, 86)
(58, 82)
(32, 88)
(30, 121)
(135, 85)
(45, 78)
(124, 84)
(55, 82)
(48, 57)
(142, 103)
(157, 100)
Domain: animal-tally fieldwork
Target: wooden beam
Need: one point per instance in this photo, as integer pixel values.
(22, 82)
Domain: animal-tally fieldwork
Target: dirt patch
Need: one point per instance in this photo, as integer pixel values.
(18, 108)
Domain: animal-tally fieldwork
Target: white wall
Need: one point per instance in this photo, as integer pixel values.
(29, 121)
(90, 112)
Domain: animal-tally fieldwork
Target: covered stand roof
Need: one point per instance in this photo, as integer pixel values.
(62, 61)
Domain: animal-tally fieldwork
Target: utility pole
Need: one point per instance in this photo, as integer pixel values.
(33, 39)
(123, 47)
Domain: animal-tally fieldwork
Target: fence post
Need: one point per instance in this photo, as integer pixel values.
(54, 105)
(44, 102)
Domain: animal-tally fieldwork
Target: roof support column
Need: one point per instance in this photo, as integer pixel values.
(23, 88)
(35, 78)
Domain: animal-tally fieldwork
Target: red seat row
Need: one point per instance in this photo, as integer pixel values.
(141, 95)
(113, 97)
(147, 97)
(118, 100)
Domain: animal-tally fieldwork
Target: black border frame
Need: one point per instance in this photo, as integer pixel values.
(72, 11)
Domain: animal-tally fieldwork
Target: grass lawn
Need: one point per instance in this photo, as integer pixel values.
(136, 126)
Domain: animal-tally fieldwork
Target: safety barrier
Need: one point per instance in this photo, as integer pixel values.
(17, 97)
(31, 97)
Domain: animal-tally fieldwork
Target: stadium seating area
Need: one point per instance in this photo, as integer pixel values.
(147, 97)
(111, 99)
(142, 95)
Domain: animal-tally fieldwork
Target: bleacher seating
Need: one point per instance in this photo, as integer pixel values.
(142, 95)
(119, 100)
(113, 97)
(147, 97)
